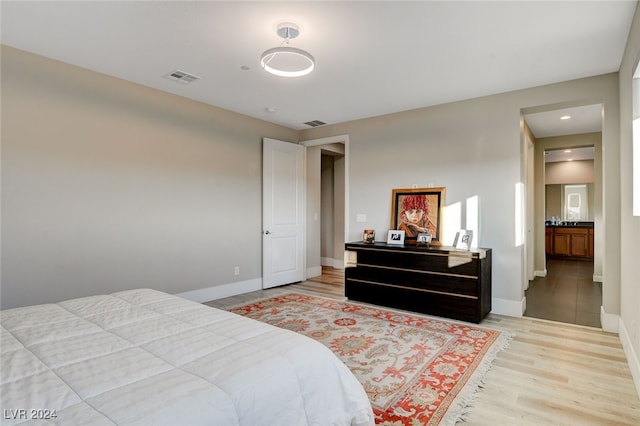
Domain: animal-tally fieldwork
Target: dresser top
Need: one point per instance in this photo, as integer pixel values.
(441, 250)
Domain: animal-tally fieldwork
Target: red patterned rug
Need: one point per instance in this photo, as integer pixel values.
(417, 370)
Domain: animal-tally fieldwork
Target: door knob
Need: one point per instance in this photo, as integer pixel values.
(267, 232)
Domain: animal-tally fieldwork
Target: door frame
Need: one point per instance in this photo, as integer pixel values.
(337, 139)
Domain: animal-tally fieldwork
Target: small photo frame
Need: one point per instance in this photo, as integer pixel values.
(423, 239)
(463, 239)
(395, 236)
(369, 236)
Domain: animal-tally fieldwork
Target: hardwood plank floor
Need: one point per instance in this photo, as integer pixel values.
(551, 373)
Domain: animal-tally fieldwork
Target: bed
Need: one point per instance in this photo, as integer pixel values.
(146, 357)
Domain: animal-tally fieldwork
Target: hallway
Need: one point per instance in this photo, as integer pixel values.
(567, 294)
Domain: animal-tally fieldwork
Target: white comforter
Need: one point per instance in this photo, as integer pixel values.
(146, 357)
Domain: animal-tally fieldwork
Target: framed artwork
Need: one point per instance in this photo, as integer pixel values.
(418, 210)
(463, 239)
(369, 236)
(395, 237)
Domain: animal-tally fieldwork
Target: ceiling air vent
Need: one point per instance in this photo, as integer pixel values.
(181, 77)
(315, 123)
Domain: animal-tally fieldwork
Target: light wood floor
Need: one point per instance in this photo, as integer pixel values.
(551, 373)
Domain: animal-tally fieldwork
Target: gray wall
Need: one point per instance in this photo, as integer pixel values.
(570, 172)
(107, 185)
(327, 194)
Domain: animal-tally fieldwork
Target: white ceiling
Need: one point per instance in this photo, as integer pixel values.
(372, 58)
(582, 119)
(573, 154)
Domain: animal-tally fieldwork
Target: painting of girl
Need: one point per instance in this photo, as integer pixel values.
(417, 210)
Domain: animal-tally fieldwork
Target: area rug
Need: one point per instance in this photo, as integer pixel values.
(416, 369)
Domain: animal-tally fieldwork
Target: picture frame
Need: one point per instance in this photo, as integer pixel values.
(406, 204)
(395, 237)
(463, 239)
(423, 239)
(369, 236)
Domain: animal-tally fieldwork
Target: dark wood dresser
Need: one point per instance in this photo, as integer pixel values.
(441, 281)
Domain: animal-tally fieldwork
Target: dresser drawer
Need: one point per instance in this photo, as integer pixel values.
(434, 304)
(458, 263)
(426, 281)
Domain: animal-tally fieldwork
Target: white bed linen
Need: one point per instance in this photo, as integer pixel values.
(143, 357)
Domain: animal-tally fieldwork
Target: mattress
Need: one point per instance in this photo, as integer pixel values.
(143, 357)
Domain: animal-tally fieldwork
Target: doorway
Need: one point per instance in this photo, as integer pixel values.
(565, 285)
(327, 208)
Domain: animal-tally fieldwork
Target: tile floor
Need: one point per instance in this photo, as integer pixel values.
(567, 294)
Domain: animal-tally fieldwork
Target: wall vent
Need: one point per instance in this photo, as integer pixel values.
(181, 77)
(315, 123)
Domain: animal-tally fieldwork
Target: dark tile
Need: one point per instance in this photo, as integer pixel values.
(566, 294)
(553, 314)
(590, 319)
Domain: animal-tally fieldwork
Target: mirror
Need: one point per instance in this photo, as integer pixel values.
(570, 202)
(569, 189)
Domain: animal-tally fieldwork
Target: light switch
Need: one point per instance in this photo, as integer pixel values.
(361, 217)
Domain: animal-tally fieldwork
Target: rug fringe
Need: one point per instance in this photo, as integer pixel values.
(466, 399)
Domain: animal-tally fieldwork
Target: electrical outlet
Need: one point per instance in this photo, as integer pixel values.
(236, 270)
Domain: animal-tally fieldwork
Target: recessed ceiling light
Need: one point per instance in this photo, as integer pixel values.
(565, 117)
(567, 150)
(570, 159)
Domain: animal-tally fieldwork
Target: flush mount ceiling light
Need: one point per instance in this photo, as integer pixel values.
(286, 61)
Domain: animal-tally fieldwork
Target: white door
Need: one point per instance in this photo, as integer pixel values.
(282, 213)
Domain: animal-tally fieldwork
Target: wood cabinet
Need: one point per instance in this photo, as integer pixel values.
(439, 281)
(548, 240)
(575, 242)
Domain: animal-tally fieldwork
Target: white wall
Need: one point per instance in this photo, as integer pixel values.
(473, 148)
(107, 185)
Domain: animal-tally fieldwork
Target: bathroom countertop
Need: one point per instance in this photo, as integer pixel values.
(569, 224)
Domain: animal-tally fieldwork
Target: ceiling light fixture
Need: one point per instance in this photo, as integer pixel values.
(285, 61)
(565, 117)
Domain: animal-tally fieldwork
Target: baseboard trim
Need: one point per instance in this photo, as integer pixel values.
(333, 263)
(610, 322)
(314, 271)
(510, 308)
(223, 290)
(540, 274)
(632, 357)
(597, 278)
